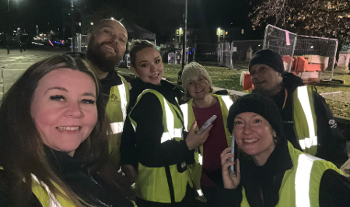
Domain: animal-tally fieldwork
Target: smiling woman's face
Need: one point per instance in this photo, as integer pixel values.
(254, 135)
(64, 109)
(198, 87)
(149, 66)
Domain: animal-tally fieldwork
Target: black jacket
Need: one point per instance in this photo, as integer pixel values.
(92, 189)
(144, 146)
(262, 184)
(331, 143)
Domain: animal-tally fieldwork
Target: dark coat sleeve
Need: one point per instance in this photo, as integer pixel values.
(4, 200)
(128, 144)
(334, 190)
(230, 197)
(150, 151)
(331, 142)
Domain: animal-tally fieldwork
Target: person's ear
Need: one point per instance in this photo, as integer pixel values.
(133, 70)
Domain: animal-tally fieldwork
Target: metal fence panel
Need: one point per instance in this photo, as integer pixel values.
(319, 46)
(281, 41)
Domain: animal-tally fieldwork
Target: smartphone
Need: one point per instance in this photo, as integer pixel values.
(207, 124)
(233, 152)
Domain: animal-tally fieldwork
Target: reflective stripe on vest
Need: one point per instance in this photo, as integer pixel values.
(172, 131)
(184, 109)
(200, 159)
(228, 102)
(310, 139)
(302, 180)
(117, 127)
(123, 98)
(53, 201)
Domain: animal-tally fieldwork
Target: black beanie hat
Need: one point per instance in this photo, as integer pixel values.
(258, 104)
(269, 58)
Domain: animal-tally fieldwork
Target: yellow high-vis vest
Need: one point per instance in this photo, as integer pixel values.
(116, 112)
(196, 168)
(46, 197)
(152, 182)
(301, 184)
(304, 118)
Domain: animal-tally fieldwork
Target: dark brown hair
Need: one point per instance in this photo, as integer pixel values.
(21, 148)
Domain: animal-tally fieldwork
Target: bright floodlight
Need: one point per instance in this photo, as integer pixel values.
(112, 18)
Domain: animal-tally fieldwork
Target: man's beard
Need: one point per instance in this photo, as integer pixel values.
(99, 58)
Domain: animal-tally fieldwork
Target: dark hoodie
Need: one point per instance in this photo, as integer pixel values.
(331, 143)
(91, 188)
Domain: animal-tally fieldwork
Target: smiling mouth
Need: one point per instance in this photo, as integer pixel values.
(110, 48)
(155, 76)
(199, 91)
(249, 140)
(68, 128)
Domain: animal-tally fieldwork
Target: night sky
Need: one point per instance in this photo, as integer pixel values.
(159, 16)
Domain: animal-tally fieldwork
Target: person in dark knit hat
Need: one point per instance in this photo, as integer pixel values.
(271, 172)
(308, 122)
(203, 104)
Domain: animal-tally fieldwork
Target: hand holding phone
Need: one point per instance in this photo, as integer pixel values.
(207, 124)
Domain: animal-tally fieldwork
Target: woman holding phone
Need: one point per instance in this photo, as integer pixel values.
(272, 172)
(153, 139)
(203, 105)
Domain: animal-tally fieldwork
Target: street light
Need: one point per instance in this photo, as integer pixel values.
(179, 32)
(220, 33)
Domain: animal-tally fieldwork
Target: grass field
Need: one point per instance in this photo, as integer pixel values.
(338, 97)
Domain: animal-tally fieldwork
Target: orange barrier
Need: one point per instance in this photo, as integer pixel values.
(247, 82)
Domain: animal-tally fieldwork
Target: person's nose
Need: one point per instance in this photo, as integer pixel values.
(153, 68)
(113, 37)
(74, 110)
(247, 128)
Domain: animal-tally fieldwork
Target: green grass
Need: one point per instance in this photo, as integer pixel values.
(224, 78)
(221, 76)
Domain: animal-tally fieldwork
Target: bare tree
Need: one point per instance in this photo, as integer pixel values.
(312, 17)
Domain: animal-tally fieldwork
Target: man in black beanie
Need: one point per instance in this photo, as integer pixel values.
(308, 122)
